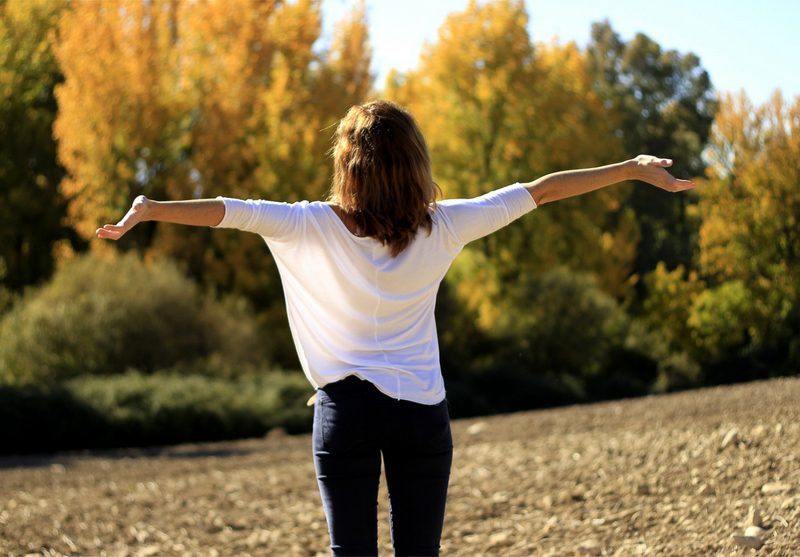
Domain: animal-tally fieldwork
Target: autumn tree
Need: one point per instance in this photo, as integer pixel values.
(665, 105)
(181, 99)
(749, 241)
(497, 109)
(31, 208)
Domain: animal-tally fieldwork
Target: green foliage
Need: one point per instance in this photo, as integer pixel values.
(749, 245)
(720, 318)
(137, 410)
(661, 102)
(677, 372)
(558, 338)
(6, 300)
(668, 306)
(562, 322)
(105, 316)
(498, 109)
(31, 209)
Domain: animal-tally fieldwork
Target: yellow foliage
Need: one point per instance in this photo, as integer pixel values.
(750, 202)
(497, 109)
(179, 99)
(672, 294)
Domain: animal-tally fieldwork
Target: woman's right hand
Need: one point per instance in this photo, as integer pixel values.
(136, 214)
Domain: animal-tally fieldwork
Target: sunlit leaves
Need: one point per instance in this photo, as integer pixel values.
(750, 245)
(181, 99)
(497, 109)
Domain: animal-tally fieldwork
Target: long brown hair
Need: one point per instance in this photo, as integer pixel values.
(382, 173)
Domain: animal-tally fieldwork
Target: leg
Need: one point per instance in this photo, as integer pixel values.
(417, 475)
(348, 473)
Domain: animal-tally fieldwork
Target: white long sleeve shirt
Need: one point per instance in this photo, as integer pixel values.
(353, 308)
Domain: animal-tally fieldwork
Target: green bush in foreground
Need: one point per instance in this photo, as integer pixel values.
(101, 317)
(139, 410)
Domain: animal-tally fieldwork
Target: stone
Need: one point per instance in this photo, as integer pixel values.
(500, 539)
(731, 438)
(756, 532)
(634, 550)
(579, 493)
(775, 487)
(643, 489)
(754, 517)
(590, 548)
(477, 428)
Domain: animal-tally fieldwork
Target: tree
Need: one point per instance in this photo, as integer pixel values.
(665, 106)
(749, 240)
(31, 208)
(186, 99)
(497, 110)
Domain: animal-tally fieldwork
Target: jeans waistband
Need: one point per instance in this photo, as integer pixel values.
(351, 383)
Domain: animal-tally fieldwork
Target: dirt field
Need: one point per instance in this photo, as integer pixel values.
(669, 475)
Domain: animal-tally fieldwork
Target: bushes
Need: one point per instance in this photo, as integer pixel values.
(66, 348)
(101, 317)
(562, 323)
(134, 410)
(558, 340)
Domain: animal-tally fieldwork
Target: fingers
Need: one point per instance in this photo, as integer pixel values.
(674, 185)
(134, 215)
(110, 232)
(653, 171)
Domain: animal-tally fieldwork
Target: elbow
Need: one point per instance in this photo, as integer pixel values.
(539, 194)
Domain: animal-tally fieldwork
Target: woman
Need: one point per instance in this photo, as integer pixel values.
(360, 275)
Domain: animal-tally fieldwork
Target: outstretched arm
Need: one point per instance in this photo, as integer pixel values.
(646, 168)
(201, 212)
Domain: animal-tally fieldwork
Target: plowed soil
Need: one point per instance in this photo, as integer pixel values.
(665, 475)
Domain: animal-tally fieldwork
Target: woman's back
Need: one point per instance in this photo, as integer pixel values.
(353, 307)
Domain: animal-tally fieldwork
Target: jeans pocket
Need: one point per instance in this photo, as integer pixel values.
(342, 423)
(430, 429)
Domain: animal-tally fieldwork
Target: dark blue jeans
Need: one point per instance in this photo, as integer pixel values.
(353, 424)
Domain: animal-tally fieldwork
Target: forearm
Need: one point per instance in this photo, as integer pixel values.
(200, 212)
(646, 168)
(569, 183)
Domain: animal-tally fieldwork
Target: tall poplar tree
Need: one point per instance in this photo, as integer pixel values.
(181, 99)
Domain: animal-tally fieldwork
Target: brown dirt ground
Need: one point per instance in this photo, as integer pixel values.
(646, 476)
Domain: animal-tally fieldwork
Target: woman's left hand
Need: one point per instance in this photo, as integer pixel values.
(652, 170)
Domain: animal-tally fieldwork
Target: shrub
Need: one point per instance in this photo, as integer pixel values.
(101, 317)
(139, 410)
(561, 322)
